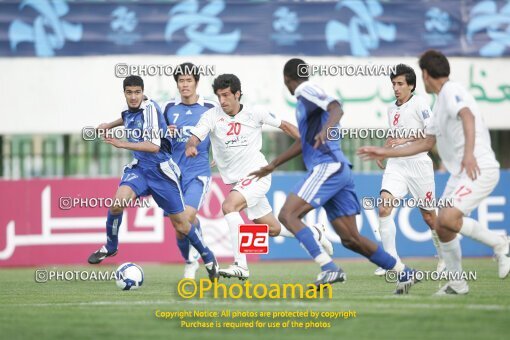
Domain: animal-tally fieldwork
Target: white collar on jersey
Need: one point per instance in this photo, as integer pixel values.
(143, 105)
(200, 100)
(300, 86)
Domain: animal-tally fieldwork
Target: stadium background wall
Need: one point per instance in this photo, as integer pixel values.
(43, 227)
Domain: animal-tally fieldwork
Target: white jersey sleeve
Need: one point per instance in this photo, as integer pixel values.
(449, 129)
(454, 101)
(205, 125)
(316, 95)
(423, 111)
(431, 127)
(266, 117)
(151, 123)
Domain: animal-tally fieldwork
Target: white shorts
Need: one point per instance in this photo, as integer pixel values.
(415, 176)
(468, 194)
(254, 192)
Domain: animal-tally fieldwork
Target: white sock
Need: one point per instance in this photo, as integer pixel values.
(435, 240)
(234, 219)
(399, 266)
(452, 255)
(315, 232)
(388, 231)
(285, 232)
(472, 228)
(322, 259)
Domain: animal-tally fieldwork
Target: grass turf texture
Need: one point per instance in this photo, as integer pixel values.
(88, 309)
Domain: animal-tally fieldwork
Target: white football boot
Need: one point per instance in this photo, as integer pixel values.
(235, 270)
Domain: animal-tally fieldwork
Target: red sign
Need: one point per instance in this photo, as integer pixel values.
(38, 225)
(253, 238)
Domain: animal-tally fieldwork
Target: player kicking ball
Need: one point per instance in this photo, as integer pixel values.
(327, 184)
(235, 131)
(414, 174)
(464, 145)
(152, 172)
(181, 114)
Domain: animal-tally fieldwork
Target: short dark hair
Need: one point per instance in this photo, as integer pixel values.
(406, 71)
(132, 81)
(435, 63)
(224, 81)
(187, 69)
(291, 69)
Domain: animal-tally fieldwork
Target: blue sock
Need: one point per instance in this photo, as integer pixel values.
(306, 238)
(183, 245)
(197, 226)
(112, 231)
(195, 239)
(383, 259)
(331, 266)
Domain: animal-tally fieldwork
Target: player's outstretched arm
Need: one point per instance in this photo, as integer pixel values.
(380, 153)
(111, 125)
(293, 151)
(335, 114)
(144, 146)
(191, 146)
(398, 141)
(469, 161)
(290, 129)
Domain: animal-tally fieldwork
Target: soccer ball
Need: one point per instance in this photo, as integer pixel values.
(129, 276)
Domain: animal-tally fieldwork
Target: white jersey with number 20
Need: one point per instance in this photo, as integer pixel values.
(236, 140)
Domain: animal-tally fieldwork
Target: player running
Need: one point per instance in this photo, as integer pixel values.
(152, 172)
(464, 145)
(415, 174)
(181, 114)
(328, 182)
(235, 131)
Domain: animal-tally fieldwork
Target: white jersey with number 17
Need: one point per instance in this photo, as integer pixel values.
(236, 140)
(447, 126)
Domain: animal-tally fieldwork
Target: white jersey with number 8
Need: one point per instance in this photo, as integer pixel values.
(410, 117)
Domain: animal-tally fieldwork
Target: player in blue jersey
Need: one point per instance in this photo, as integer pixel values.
(327, 184)
(152, 172)
(181, 114)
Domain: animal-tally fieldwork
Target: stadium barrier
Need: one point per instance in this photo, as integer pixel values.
(61, 221)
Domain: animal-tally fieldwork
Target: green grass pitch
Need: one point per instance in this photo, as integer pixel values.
(88, 309)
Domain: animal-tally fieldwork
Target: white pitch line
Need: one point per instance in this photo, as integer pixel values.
(233, 304)
(440, 306)
(167, 302)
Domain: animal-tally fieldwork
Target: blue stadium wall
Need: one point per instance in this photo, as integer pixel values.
(413, 238)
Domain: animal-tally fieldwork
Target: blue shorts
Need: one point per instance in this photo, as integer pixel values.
(330, 185)
(161, 182)
(195, 191)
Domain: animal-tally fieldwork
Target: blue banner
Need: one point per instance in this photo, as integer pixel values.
(48, 28)
(413, 235)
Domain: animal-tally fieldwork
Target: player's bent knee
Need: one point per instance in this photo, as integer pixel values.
(180, 223)
(181, 226)
(384, 211)
(229, 207)
(351, 243)
(192, 217)
(429, 218)
(116, 209)
(285, 217)
(449, 219)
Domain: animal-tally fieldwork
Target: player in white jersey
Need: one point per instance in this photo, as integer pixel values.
(414, 174)
(464, 146)
(235, 132)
